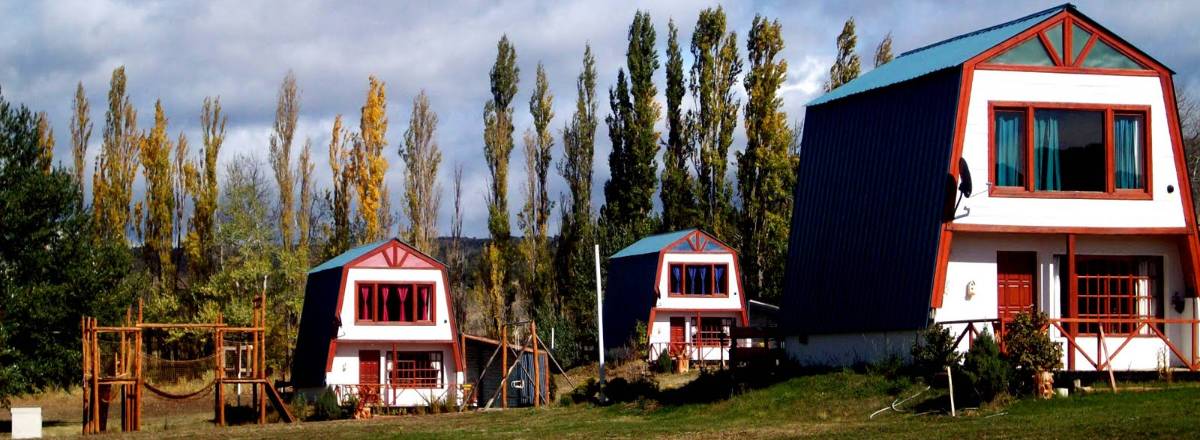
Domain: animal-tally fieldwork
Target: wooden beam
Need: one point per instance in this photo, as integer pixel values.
(1072, 295)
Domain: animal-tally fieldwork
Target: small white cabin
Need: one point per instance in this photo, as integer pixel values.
(685, 286)
(378, 325)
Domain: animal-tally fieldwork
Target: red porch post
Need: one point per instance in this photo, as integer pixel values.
(1072, 297)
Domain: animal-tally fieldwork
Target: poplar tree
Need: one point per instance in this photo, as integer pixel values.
(629, 194)
(535, 217)
(456, 255)
(116, 167)
(203, 187)
(498, 145)
(304, 216)
(287, 111)
(339, 198)
(577, 231)
(160, 195)
(883, 52)
(182, 172)
(765, 170)
(714, 73)
(45, 141)
(367, 164)
(81, 132)
(421, 157)
(679, 210)
(846, 66)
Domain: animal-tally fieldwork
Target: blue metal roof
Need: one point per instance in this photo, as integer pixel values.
(652, 244)
(348, 256)
(941, 55)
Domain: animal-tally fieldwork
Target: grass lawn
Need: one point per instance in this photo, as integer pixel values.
(825, 405)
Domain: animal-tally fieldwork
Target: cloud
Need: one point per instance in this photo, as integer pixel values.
(181, 53)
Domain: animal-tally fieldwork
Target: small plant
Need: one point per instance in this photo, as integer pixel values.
(300, 406)
(665, 363)
(326, 407)
(640, 345)
(934, 351)
(987, 373)
(585, 392)
(1032, 353)
(1165, 373)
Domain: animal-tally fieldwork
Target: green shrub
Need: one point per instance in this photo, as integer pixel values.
(665, 364)
(326, 407)
(622, 390)
(1028, 347)
(934, 351)
(640, 345)
(585, 392)
(300, 406)
(987, 374)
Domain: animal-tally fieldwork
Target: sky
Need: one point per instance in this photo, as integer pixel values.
(182, 52)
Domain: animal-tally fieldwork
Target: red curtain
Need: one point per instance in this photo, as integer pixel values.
(403, 292)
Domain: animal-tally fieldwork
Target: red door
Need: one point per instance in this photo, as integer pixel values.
(1016, 283)
(368, 376)
(677, 335)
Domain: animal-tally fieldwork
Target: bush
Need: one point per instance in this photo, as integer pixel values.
(934, 351)
(1028, 347)
(665, 364)
(622, 390)
(300, 406)
(640, 345)
(987, 374)
(326, 407)
(585, 392)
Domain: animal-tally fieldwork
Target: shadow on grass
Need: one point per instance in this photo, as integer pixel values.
(6, 425)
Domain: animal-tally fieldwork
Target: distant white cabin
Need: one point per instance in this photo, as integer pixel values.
(685, 286)
(378, 324)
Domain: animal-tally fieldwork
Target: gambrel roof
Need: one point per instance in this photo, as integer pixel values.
(687, 240)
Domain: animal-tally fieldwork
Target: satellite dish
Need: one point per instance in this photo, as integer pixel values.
(964, 178)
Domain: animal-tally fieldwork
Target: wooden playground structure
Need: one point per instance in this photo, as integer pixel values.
(120, 373)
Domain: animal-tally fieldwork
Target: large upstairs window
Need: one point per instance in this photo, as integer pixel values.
(698, 279)
(394, 303)
(1067, 44)
(1069, 150)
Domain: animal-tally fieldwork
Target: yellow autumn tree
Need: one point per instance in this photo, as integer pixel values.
(159, 205)
(81, 132)
(45, 135)
(287, 110)
(202, 185)
(343, 179)
(116, 167)
(367, 165)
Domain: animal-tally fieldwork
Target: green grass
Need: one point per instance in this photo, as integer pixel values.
(823, 405)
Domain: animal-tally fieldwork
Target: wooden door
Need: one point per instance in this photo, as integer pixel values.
(678, 335)
(1016, 283)
(368, 367)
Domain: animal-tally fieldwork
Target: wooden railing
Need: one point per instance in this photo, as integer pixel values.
(707, 350)
(395, 394)
(1067, 333)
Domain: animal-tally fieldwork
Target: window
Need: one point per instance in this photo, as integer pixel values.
(415, 369)
(1074, 150)
(394, 303)
(1049, 47)
(713, 331)
(698, 279)
(1116, 288)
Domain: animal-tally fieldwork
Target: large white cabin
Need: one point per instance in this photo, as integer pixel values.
(1033, 166)
(378, 325)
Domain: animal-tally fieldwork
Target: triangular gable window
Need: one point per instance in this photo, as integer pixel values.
(1029, 53)
(1050, 46)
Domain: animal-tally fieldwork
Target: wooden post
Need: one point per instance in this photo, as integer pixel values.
(95, 341)
(219, 343)
(537, 377)
(504, 367)
(1073, 297)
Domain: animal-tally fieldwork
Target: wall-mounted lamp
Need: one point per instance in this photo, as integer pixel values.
(970, 289)
(1177, 302)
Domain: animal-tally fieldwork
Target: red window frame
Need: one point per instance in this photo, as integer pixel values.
(712, 280)
(372, 314)
(711, 331)
(1105, 290)
(414, 369)
(1029, 189)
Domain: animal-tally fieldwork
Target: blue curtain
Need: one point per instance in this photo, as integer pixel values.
(691, 279)
(1047, 153)
(1008, 149)
(719, 278)
(676, 279)
(1127, 154)
(704, 287)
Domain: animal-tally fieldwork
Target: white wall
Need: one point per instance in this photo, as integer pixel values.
(1165, 210)
(660, 333)
(440, 331)
(345, 370)
(733, 301)
(973, 258)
